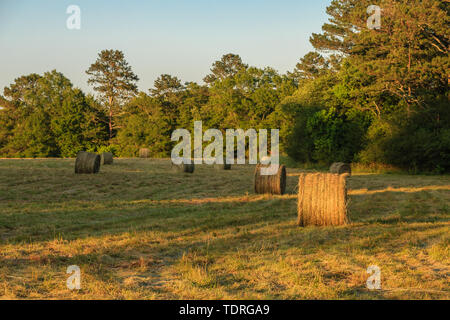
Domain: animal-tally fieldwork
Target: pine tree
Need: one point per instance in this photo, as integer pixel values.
(115, 81)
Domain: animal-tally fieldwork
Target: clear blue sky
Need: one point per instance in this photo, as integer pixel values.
(178, 37)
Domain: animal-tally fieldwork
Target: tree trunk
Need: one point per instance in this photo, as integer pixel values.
(409, 79)
(110, 117)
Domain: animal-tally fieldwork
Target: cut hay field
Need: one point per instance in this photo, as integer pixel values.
(138, 230)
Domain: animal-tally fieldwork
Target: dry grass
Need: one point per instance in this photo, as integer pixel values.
(139, 231)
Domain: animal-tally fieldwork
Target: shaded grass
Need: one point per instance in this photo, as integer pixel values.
(140, 231)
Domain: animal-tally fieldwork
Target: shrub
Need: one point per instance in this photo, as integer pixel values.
(111, 148)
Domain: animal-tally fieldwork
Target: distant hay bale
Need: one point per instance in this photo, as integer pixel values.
(87, 162)
(224, 166)
(271, 184)
(185, 168)
(106, 158)
(322, 199)
(340, 168)
(144, 153)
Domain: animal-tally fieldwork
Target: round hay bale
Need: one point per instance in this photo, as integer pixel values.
(87, 162)
(322, 199)
(274, 184)
(341, 168)
(106, 158)
(144, 153)
(185, 168)
(224, 166)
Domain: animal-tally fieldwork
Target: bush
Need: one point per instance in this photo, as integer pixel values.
(328, 136)
(111, 148)
(377, 136)
(299, 144)
(419, 143)
(420, 150)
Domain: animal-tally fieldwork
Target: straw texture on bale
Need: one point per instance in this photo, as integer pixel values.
(87, 162)
(144, 153)
(322, 199)
(106, 158)
(270, 184)
(186, 168)
(340, 168)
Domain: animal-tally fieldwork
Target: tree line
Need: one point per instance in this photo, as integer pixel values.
(368, 96)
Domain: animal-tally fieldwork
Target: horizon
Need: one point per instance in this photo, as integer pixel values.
(171, 37)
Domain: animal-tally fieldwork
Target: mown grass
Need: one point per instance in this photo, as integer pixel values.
(140, 231)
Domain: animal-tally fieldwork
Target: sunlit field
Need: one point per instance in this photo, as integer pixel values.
(138, 230)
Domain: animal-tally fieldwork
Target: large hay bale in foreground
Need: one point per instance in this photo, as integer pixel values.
(185, 168)
(341, 168)
(322, 199)
(144, 153)
(87, 162)
(106, 158)
(271, 184)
